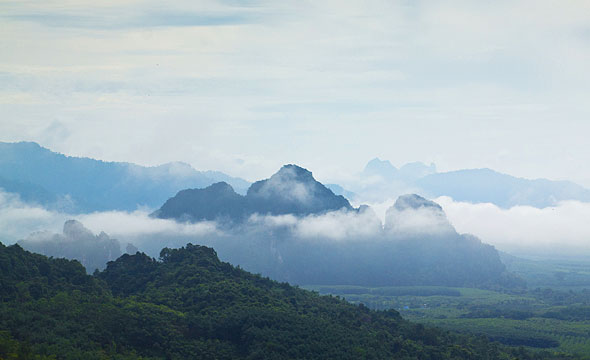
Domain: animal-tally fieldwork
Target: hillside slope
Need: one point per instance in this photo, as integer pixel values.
(191, 305)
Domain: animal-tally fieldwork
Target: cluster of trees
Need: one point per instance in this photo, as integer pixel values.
(189, 304)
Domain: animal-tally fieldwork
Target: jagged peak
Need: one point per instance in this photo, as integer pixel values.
(414, 201)
(221, 186)
(294, 172)
(217, 188)
(378, 164)
(291, 181)
(75, 228)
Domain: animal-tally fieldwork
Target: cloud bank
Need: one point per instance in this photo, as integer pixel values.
(521, 230)
(559, 230)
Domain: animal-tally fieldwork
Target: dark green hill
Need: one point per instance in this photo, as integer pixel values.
(190, 305)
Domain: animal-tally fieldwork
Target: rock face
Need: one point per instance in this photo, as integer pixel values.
(292, 190)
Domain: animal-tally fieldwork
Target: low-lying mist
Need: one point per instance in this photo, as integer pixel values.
(557, 231)
(416, 247)
(562, 230)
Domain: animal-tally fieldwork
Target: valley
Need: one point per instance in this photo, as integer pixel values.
(554, 313)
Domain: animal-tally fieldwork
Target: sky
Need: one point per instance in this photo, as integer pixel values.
(246, 86)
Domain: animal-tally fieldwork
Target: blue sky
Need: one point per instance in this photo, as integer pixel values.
(246, 86)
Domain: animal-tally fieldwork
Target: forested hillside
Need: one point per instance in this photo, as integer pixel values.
(191, 305)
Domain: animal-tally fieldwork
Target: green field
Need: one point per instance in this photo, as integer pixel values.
(554, 313)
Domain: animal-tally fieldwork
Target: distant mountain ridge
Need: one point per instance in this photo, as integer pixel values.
(76, 184)
(486, 185)
(292, 190)
(381, 181)
(416, 245)
(82, 185)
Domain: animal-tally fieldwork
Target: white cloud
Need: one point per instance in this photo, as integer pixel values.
(18, 220)
(138, 223)
(339, 225)
(559, 230)
(421, 221)
(521, 230)
(277, 221)
(335, 225)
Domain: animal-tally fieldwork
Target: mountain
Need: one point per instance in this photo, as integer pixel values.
(381, 168)
(292, 190)
(339, 190)
(386, 171)
(416, 170)
(486, 185)
(305, 234)
(217, 201)
(415, 202)
(76, 243)
(75, 184)
(381, 181)
(416, 245)
(414, 214)
(190, 305)
(31, 193)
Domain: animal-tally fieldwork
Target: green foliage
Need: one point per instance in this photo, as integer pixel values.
(191, 305)
(540, 318)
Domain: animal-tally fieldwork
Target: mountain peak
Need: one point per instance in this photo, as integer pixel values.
(413, 214)
(415, 202)
(291, 190)
(220, 187)
(381, 168)
(75, 229)
(294, 172)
